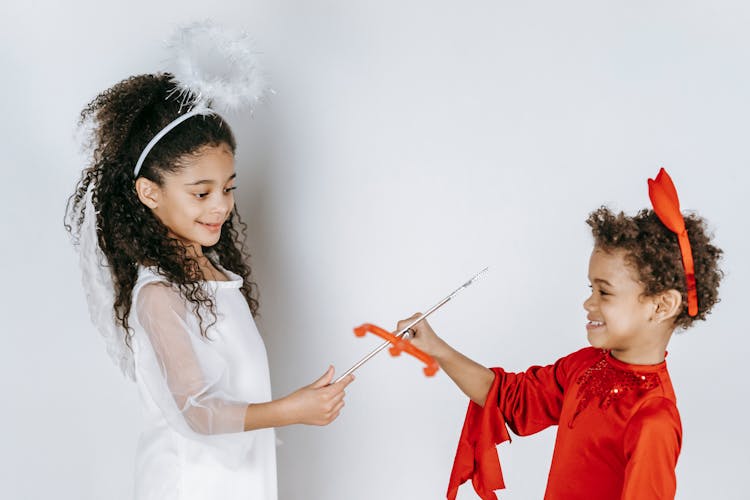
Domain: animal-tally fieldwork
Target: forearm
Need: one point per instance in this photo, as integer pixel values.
(472, 378)
(271, 414)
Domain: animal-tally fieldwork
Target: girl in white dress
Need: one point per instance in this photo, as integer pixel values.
(182, 299)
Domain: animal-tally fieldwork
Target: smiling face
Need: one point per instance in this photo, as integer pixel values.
(194, 202)
(620, 315)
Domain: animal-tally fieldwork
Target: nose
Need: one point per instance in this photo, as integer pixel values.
(588, 304)
(223, 205)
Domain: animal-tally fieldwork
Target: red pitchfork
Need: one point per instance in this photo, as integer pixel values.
(399, 344)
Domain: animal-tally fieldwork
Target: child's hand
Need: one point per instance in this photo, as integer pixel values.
(424, 337)
(318, 403)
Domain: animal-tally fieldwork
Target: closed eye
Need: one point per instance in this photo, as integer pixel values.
(599, 290)
(230, 189)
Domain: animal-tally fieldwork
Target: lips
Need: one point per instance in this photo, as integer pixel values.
(213, 227)
(591, 325)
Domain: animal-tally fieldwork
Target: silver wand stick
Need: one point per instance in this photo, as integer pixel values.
(403, 331)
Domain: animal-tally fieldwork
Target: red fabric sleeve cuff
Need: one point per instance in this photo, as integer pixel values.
(476, 457)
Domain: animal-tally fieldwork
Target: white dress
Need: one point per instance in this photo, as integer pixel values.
(195, 391)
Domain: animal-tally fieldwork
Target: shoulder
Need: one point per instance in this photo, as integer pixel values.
(156, 291)
(584, 355)
(147, 276)
(571, 366)
(655, 423)
(153, 291)
(656, 413)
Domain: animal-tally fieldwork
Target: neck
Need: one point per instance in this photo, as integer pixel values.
(649, 353)
(194, 250)
(637, 358)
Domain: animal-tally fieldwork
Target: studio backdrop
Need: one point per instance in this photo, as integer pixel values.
(408, 145)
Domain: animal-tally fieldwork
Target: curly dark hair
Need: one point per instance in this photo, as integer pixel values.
(124, 119)
(654, 252)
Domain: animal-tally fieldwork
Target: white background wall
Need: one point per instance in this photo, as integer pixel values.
(410, 144)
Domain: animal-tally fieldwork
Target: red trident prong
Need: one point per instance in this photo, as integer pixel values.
(399, 345)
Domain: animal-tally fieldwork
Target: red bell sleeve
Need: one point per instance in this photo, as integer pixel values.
(527, 402)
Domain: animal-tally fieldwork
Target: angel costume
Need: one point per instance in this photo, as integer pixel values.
(195, 391)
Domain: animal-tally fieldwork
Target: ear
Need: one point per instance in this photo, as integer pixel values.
(668, 305)
(148, 192)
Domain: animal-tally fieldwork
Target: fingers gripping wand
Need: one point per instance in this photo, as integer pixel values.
(396, 349)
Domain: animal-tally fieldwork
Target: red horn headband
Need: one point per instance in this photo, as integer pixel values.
(667, 207)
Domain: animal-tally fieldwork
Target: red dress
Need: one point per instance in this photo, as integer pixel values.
(618, 435)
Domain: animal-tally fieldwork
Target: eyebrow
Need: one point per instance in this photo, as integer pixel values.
(600, 280)
(209, 181)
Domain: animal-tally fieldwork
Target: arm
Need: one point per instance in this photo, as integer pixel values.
(473, 379)
(183, 374)
(529, 401)
(652, 444)
(315, 404)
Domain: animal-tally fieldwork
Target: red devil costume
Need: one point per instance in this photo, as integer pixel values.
(619, 432)
(618, 436)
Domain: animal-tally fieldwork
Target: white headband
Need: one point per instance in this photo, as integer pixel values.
(201, 110)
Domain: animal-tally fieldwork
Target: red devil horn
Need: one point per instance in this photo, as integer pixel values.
(665, 202)
(667, 207)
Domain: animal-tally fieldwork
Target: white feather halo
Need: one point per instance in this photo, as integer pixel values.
(216, 66)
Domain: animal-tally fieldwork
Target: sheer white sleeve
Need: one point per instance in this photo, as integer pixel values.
(180, 368)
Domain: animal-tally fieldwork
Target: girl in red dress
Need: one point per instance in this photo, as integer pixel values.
(619, 431)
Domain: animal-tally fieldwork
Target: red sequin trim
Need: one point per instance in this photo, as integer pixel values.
(607, 384)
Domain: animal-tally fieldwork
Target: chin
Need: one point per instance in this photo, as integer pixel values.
(209, 243)
(597, 341)
(207, 240)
